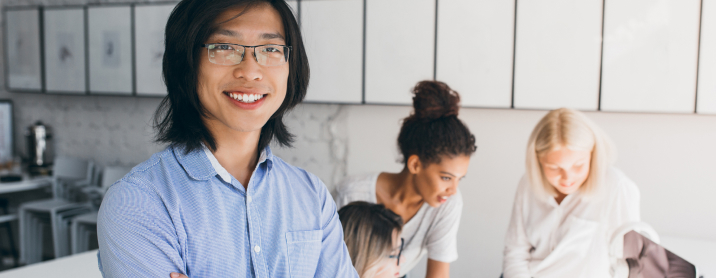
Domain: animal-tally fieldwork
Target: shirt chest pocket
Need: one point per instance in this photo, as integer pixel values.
(304, 249)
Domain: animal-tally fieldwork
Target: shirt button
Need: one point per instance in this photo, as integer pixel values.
(249, 200)
(257, 249)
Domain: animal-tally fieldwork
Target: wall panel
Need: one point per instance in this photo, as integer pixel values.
(558, 53)
(475, 50)
(706, 99)
(333, 37)
(400, 48)
(650, 55)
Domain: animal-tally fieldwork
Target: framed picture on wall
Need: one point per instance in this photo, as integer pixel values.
(149, 24)
(64, 47)
(6, 138)
(22, 49)
(109, 31)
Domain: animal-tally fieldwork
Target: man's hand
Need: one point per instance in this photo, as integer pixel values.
(177, 275)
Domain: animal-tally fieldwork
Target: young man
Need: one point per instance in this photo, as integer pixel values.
(216, 202)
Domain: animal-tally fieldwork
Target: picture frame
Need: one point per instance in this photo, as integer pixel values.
(23, 55)
(65, 50)
(149, 23)
(109, 35)
(7, 143)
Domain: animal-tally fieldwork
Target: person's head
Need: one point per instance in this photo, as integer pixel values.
(567, 152)
(372, 235)
(436, 146)
(213, 89)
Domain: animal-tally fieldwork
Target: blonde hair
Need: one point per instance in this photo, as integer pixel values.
(368, 233)
(572, 129)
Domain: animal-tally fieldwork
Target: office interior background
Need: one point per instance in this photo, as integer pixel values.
(643, 70)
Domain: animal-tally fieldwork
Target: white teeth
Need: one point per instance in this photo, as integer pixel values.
(247, 98)
(444, 197)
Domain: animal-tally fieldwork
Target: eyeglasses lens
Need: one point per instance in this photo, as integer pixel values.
(266, 55)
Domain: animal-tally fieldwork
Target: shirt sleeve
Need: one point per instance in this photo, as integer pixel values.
(625, 206)
(335, 260)
(442, 239)
(136, 235)
(515, 263)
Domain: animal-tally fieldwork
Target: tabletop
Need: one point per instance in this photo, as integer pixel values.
(27, 183)
(76, 266)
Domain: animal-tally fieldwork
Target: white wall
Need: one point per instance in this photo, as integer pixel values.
(670, 157)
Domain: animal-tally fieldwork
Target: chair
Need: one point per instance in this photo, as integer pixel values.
(5, 220)
(57, 211)
(85, 225)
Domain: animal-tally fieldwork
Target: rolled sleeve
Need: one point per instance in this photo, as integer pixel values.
(136, 234)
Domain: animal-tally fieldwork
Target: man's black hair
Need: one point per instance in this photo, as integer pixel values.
(179, 118)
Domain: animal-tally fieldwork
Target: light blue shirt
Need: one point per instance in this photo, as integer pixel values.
(185, 213)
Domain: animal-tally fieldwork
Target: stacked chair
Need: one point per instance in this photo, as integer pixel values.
(84, 226)
(5, 219)
(56, 212)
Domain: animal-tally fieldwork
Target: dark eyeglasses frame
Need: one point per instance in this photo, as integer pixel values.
(206, 45)
(402, 241)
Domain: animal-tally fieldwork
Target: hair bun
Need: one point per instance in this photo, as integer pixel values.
(435, 99)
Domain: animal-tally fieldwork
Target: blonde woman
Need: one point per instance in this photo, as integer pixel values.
(569, 202)
(372, 235)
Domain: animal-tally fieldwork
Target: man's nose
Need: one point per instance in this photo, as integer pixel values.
(249, 69)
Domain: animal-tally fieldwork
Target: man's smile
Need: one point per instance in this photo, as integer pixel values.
(245, 97)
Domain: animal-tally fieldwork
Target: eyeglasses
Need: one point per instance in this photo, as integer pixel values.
(229, 54)
(399, 252)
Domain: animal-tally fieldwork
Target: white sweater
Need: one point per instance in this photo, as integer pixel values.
(546, 239)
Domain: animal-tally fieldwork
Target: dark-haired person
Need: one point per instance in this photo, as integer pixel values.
(372, 235)
(436, 148)
(217, 202)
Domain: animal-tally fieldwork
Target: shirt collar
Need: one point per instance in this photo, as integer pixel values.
(195, 163)
(202, 164)
(220, 170)
(567, 199)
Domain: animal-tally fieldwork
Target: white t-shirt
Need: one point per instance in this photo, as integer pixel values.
(431, 231)
(571, 239)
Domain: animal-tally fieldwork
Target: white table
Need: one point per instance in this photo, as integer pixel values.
(82, 265)
(27, 183)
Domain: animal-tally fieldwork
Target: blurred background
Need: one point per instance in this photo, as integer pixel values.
(643, 70)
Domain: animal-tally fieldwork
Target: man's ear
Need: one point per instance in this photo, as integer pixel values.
(414, 165)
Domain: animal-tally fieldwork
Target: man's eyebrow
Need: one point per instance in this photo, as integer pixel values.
(227, 32)
(270, 36)
(231, 33)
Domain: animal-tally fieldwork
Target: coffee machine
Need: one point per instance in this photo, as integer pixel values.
(40, 149)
